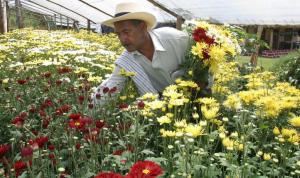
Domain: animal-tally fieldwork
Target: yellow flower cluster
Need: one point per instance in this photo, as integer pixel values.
(285, 134)
(269, 98)
(182, 128)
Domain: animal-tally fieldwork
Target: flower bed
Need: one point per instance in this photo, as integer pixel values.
(50, 128)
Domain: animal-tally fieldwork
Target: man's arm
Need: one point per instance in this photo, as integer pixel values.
(100, 96)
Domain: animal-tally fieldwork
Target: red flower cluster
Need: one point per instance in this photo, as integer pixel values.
(63, 109)
(64, 70)
(19, 120)
(21, 81)
(38, 142)
(26, 152)
(4, 149)
(199, 35)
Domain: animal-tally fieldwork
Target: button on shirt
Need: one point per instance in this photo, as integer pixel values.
(170, 47)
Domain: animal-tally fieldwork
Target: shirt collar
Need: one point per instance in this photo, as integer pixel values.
(157, 44)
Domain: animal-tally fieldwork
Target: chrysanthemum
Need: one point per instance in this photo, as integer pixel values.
(295, 121)
(145, 169)
(108, 175)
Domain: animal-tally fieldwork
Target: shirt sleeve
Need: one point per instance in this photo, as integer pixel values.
(102, 94)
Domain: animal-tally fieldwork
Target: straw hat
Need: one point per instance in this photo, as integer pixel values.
(131, 10)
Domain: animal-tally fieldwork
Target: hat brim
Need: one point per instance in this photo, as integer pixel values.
(147, 17)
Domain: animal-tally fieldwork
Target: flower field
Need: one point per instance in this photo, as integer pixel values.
(50, 126)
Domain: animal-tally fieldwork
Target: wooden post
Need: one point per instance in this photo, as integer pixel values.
(254, 55)
(8, 15)
(67, 22)
(19, 15)
(88, 26)
(179, 22)
(271, 38)
(292, 40)
(3, 17)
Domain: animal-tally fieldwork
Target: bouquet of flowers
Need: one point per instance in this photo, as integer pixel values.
(210, 46)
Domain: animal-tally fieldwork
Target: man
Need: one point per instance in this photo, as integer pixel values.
(153, 55)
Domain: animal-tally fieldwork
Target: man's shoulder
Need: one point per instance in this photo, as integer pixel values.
(169, 33)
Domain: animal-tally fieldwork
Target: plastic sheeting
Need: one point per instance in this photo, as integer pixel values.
(243, 12)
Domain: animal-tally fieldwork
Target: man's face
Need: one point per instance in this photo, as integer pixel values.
(130, 36)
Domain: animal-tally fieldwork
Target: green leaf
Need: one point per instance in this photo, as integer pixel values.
(147, 152)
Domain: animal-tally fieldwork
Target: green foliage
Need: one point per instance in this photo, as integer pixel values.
(289, 71)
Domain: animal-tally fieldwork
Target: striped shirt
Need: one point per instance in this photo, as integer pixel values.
(170, 46)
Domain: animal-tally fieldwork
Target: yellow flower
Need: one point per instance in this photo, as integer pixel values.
(295, 121)
(194, 130)
(123, 72)
(167, 133)
(198, 49)
(232, 102)
(5, 80)
(156, 104)
(180, 124)
(288, 132)
(164, 120)
(267, 156)
(210, 113)
(123, 98)
(94, 79)
(241, 147)
(149, 96)
(177, 102)
(276, 131)
(228, 143)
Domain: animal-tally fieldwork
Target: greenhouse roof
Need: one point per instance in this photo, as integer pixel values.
(242, 12)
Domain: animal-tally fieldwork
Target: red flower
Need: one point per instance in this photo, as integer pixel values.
(80, 99)
(47, 74)
(26, 151)
(91, 105)
(21, 82)
(108, 175)
(205, 54)
(32, 109)
(64, 70)
(145, 169)
(105, 89)
(58, 82)
(112, 90)
(100, 124)
(63, 109)
(77, 146)
(51, 147)
(51, 156)
(75, 116)
(141, 104)
(19, 165)
(123, 106)
(18, 121)
(78, 124)
(98, 95)
(4, 149)
(199, 35)
(41, 141)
